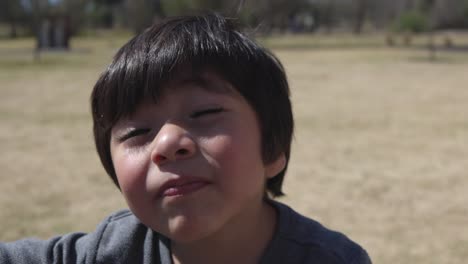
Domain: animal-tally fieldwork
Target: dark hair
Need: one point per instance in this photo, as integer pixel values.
(201, 42)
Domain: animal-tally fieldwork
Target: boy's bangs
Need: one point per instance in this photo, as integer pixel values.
(164, 54)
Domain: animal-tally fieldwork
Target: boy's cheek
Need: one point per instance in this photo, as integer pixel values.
(219, 148)
(129, 174)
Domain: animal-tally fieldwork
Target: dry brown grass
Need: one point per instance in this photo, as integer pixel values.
(380, 152)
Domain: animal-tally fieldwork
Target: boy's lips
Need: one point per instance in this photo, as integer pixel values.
(181, 186)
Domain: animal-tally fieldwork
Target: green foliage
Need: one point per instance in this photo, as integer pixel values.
(176, 7)
(215, 5)
(465, 12)
(411, 21)
(10, 9)
(140, 14)
(180, 7)
(108, 2)
(247, 18)
(101, 16)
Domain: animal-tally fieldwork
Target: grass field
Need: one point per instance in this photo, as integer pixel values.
(380, 151)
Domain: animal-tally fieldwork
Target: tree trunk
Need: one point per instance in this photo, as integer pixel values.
(432, 47)
(13, 29)
(329, 16)
(361, 12)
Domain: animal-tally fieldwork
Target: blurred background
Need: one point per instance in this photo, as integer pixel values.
(380, 95)
(48, 20)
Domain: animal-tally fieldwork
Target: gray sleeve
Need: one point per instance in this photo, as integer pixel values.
(119, 239)
(72, 248)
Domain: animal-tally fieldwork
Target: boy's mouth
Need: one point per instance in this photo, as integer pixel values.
(181, 186)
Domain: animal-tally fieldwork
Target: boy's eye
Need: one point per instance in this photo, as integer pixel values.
(206, 112)
(133, 133)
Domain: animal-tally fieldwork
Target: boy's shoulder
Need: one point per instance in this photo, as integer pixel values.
(119, 238)
(122, 218)
(299, 239)
(124, 238)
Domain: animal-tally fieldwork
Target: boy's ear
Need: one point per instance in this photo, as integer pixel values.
(274, 167)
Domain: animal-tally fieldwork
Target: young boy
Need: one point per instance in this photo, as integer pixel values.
(193, 123)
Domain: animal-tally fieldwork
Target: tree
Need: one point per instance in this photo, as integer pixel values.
(450, 13)
(12, 12)
(179, 7)
(266, 15)
(142, 13)
(328, 15)
(37, 9)
(215, 5)
(176, 7)
(105, 13)
(361, 13)
(75, 9)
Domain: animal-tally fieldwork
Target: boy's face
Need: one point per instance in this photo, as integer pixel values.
(190, 165)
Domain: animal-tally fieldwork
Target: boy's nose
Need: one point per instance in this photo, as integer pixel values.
(172, 143)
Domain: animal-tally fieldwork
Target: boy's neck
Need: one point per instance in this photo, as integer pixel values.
(243, 241)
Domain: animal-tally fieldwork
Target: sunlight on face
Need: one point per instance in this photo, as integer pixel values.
(192, 158)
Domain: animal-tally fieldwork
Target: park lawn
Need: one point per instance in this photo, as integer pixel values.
(380, 151)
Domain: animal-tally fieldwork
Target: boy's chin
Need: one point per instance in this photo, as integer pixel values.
(184, 231)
